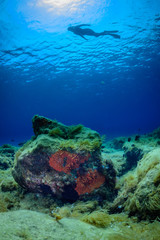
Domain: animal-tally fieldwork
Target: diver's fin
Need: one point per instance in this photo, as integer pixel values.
(115, 31)
(114, 35)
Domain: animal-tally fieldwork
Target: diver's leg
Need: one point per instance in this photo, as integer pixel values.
(111, 33)
(115, 31)
(98, 34)
(115, 35)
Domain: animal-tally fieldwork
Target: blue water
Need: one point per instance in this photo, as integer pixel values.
(110, 85)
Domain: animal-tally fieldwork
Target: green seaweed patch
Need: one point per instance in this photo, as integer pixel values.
(74, 130)
(156, 179)
(98, 219)
(42, 125)
(9, 185)
(3, 204)
(21, 149)
(65, 132)
(84, 207)
(81, 145)
(5, 162)
(24, 234)
(56, 132)
(93, 145)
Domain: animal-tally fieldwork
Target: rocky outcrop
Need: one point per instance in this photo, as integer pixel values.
(64, 161)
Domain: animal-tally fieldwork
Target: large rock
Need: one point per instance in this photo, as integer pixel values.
(64, 161)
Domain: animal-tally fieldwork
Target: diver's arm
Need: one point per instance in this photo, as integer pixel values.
(83, 25)
(83, 37)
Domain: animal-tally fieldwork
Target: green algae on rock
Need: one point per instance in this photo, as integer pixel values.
(32, 225)
(64, 161)
(76, 137)
(3, 205)
(7, 156)
(139, 192)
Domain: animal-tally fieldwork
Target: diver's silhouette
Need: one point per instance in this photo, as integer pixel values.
(87, 31)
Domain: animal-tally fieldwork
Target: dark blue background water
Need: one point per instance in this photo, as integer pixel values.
(110, 85)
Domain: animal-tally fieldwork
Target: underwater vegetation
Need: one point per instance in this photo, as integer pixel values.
(132, 155)
(78, 138)
(140, 189)
(7, 153)
(61, 166)
(40, 226)
(98, 219)
(74, 177)
(3, 205)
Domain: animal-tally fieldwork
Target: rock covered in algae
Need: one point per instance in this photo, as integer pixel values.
(140, 189)
(64, 161)
(132, 156)
(7, 156)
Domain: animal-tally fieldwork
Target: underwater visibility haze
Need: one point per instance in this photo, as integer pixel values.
(79, 119)
(109, 84)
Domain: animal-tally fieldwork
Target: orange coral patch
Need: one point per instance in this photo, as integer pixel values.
(88, 182)
(63, 161)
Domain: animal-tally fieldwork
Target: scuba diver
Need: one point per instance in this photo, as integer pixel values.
(89, 32)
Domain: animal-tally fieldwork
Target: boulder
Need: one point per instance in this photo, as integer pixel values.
(64, 161)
